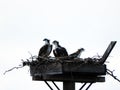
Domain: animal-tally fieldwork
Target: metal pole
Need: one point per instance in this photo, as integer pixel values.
(48, 85)
(68, 85)
(55, 85)
(89, 86)
(82, 86)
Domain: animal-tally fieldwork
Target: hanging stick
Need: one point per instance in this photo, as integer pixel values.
(20, 66)
(111, 74)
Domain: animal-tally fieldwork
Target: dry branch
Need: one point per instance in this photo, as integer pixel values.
(112, 74)
(12, 69)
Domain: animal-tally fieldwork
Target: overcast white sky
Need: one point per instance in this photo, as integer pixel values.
(90, 24)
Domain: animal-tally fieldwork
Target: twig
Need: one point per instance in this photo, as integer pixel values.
(12, 69)
(97, 56)
(111, 74)
(30, 55)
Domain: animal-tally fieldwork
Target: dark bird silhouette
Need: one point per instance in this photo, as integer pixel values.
(77, 53)
(59, 51)
(46, 49)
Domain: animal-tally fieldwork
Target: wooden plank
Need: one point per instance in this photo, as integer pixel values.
(68, 67)
(84, 69)
(108, 51)
(68, 77)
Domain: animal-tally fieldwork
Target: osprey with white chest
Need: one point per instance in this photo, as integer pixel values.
(59, 51)
(46, 49)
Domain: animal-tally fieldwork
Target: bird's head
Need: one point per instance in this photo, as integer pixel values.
(55, 42)
(81, 49)
(47, 41)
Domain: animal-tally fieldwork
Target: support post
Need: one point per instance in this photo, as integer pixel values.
(68, 85)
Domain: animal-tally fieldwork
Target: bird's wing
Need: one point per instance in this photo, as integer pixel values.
(43, 50)
(72, 54)
(65, 53)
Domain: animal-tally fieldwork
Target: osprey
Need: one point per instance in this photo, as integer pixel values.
(77, 53)
(46, 49)
(59, 51)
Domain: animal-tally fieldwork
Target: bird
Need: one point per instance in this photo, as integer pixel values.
(46, 49)
(59, 51)
(77, 53)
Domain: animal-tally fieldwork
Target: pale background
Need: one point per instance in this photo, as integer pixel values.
(90, 24)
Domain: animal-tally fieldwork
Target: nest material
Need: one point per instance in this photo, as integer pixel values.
(54, 65)
(50, 60)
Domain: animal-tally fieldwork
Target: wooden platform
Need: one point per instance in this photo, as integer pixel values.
(69, 71)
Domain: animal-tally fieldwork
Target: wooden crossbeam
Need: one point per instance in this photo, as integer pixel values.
(65, 77)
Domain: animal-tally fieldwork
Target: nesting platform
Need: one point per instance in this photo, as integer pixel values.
(69, 71)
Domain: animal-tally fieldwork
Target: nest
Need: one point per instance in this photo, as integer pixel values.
(50, 65)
